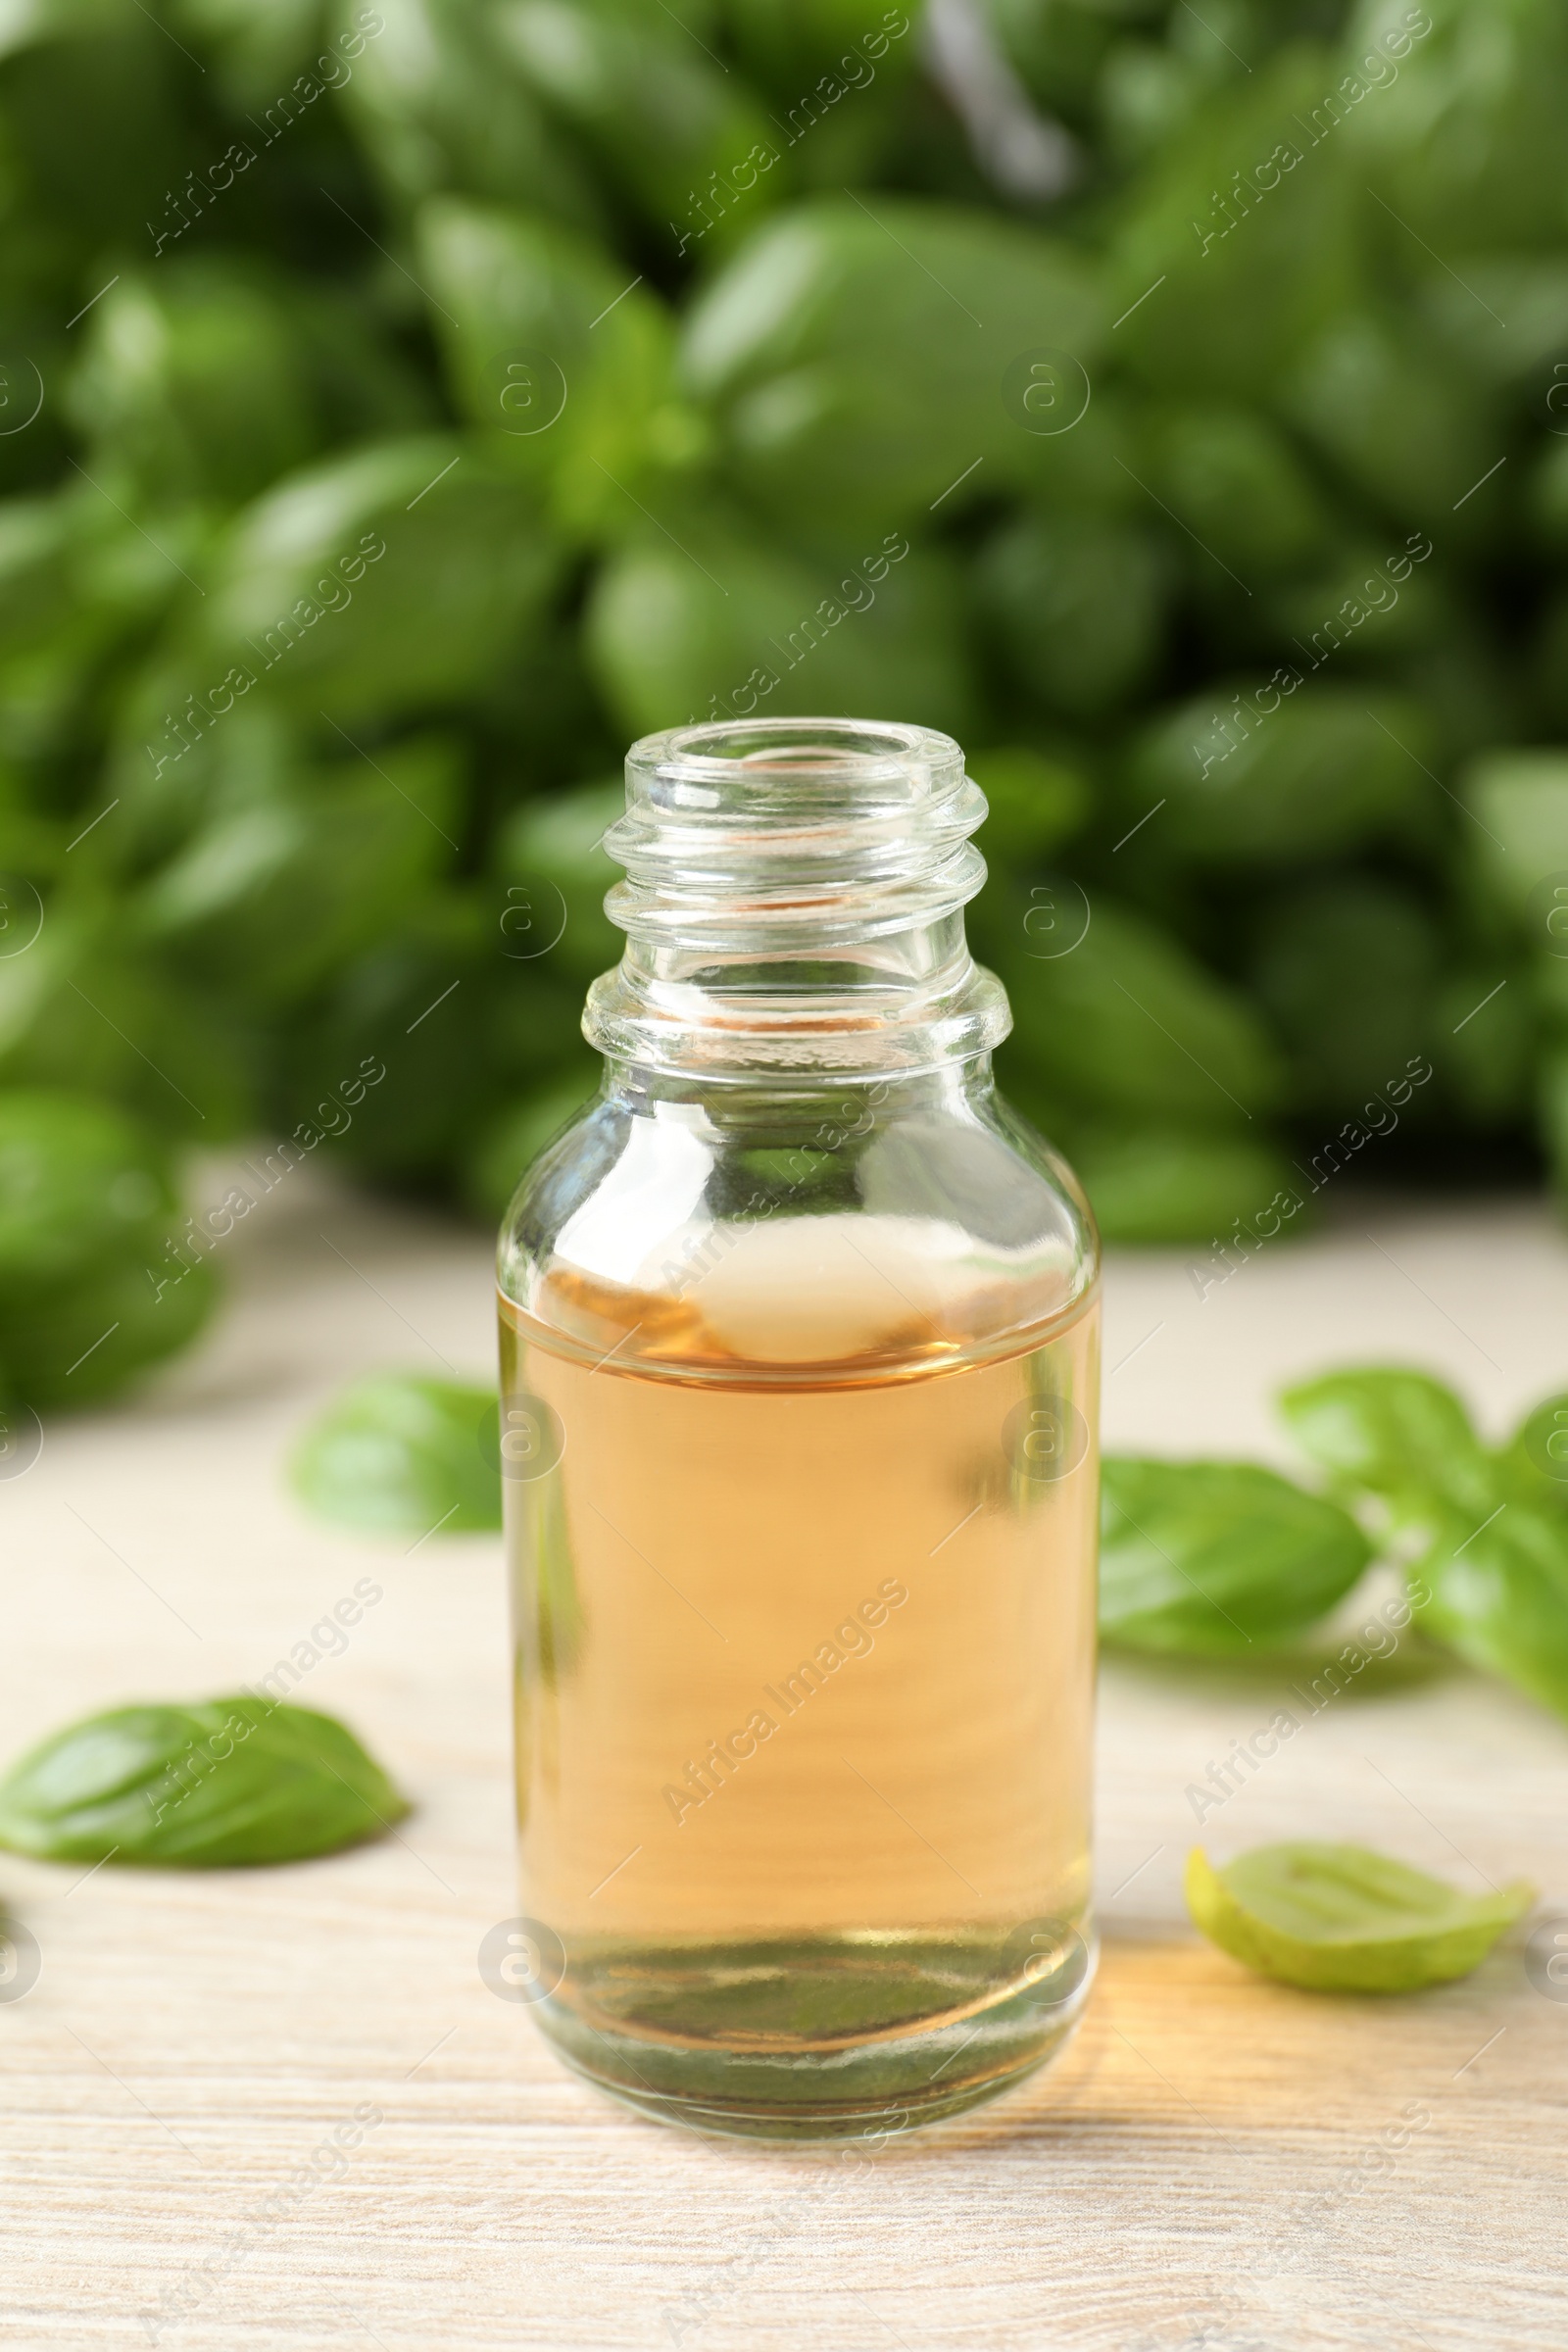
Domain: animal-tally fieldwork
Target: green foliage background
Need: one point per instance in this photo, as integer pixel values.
(404, 407)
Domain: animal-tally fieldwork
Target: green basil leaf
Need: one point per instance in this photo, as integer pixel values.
(736, 617)
(1237, 308)
(269, 898)
(1343, 1919)
(1362, 392)
(850, 389)
(446, 1064)
(1217, 1558)
(1318, 773)
(1077, 607)
(1535, 1461)
(1231, 478)
(434, 103)
(1127, 1023)
(551, 860)
(1349, 970)
(78, 1182)
(1399, 1434)
(94, 1281)
(195, 382)
(400, 1454)
(389, 578)
(80, 1343)
(177, 1059)
(660, 119)
(1033, 802)
(1519, 799)
(231, 1782)
(534, 316)
(1498, 1594)
(1151, 1184)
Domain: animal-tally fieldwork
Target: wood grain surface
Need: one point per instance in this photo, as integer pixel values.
(1215, 2162)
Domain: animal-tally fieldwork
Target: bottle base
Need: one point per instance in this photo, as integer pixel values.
(878, 2120)
(877, 2085)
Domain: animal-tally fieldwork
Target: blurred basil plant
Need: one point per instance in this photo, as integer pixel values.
(403, 406)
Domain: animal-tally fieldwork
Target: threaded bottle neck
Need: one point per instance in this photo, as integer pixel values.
(794, 900)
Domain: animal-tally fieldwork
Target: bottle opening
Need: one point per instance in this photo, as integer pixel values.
(775, 771)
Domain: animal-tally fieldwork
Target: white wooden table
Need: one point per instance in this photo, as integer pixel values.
(1215, 2163)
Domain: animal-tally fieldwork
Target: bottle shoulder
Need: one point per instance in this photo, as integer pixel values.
(684, 1234)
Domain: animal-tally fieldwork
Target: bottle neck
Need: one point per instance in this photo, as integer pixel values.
(817, 1107)
(793, 905)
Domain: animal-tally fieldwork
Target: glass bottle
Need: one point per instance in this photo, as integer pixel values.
(799, 1330)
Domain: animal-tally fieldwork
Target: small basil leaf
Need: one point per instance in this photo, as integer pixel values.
(1397, 1433)
(1498, 1594)
(1343, 1919)
(230, 1781)
(400, 1454)
(1217, 1558)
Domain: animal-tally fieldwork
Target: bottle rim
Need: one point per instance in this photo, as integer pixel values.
(704, 759)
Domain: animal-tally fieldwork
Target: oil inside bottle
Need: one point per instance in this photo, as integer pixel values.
(803, 1560)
